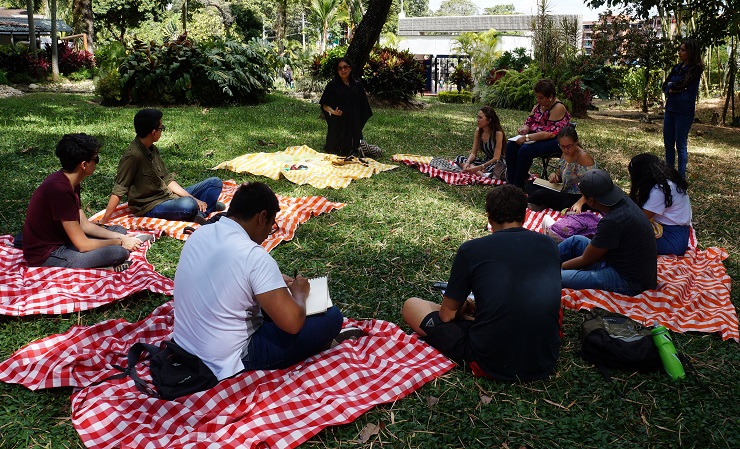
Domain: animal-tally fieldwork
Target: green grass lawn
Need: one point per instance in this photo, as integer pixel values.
(398, 232)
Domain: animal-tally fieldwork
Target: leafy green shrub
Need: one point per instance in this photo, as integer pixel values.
(322, 66)
(513, 90)
(109, 56)
(517, 60)
(393, 75)
(634, 81)
(236, 73)
(109, 88)
(3, 77)
(82, 74)
(455, 97)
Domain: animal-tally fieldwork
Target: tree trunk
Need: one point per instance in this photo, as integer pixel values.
(54, 42)
(31, 28)
(367, 34)
(82, 21)
(281, 19)
(731, 69)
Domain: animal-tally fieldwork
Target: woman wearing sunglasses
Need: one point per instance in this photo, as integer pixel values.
(346, 109)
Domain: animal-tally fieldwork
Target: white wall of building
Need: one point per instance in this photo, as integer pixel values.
(443, 45)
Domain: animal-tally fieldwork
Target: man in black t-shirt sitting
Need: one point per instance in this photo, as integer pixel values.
(512, 330)
(622, 257)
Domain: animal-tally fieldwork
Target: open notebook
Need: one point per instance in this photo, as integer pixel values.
(318, 297)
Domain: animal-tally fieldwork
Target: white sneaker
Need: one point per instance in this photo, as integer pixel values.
(547, 221)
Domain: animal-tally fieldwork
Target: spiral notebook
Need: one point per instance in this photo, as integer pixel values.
(318, 296)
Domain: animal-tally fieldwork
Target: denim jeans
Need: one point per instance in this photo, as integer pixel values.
(675, 138)
(599, 276)
(675, 240)
(272, 348)
(67, 256)
(186, 208)
(519, 158)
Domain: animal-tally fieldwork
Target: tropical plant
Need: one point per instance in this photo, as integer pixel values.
(393, 75)
(325, 12)
(481, 47)
(514, 60)
(513, 90)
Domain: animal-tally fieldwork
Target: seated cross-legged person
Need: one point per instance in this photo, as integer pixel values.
(538, 135)
(151, 189)
(512, 330)
(661, 193)
(56, 232)
(227, 285)
(573, 164)
(622, 256)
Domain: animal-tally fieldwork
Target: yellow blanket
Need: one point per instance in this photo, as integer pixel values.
(302, 165)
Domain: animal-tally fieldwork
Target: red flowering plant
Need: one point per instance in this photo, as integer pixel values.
(393, 75)
(579, 98)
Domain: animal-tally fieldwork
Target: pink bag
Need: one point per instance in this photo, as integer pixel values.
(575, 224)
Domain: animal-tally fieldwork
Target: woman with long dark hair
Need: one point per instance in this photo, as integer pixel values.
(661, 192)
(488, 139)
(681, 88)
(346, 110)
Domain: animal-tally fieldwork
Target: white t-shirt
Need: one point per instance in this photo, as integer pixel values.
(679, 214)
(220, 272)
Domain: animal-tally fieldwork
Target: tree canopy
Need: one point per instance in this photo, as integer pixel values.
(457, 8)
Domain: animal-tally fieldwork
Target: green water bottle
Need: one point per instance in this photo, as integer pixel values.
(668, 355)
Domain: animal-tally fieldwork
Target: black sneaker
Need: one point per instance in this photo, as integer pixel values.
(348, 333)
(219, 207)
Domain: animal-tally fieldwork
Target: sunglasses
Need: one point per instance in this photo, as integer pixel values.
(161, 128)
(275, 228)
(96, 159)
(344, 67)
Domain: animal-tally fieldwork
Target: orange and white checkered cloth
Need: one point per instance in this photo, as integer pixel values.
(319, 169)
(693, 293)
(28, 290)
(453, 178)
(293, 212)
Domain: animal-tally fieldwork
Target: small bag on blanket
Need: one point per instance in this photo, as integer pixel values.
(613, 341)
(175, 372)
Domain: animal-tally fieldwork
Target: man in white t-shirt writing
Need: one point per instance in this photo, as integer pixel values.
(226, 285)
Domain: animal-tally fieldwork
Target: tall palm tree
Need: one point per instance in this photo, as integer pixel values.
(326, 13)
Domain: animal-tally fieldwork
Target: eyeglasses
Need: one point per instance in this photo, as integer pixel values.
(275, 228)
(567, 147)
(96, 159)
(161, 128)
(344, 67)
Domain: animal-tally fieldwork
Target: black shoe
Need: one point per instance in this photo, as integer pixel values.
(219, 207)
(199, 219)
(348, 333)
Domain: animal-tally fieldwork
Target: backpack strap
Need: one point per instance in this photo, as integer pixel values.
(133, 358)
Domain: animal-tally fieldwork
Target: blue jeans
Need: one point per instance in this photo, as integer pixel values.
(67, 256)
(272, 348)
(599, 276)
(519, 158)
(675, 240)
(675, 138)
(186, 208)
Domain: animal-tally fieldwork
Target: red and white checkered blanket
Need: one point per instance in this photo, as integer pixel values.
(693, 291)
(280, 408)
(28, 290)
(454, 178)
(293, 212)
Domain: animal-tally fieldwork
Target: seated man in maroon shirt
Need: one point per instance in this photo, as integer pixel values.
(56, 232)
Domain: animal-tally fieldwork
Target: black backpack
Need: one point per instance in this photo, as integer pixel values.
(613, 341)
(175, 372)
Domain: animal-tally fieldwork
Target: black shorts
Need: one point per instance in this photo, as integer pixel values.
(451, 338)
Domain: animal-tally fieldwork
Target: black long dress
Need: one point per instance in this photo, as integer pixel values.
(344, 132)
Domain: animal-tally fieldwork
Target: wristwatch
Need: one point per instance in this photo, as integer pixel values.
(526, 137)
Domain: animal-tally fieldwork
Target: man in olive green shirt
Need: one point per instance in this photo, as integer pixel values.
(151, 189)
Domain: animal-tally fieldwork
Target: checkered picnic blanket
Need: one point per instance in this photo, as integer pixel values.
(303, 165)
(693, 291)
(454, 178)
(280, 408)
(28, 290)
(293, 212)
